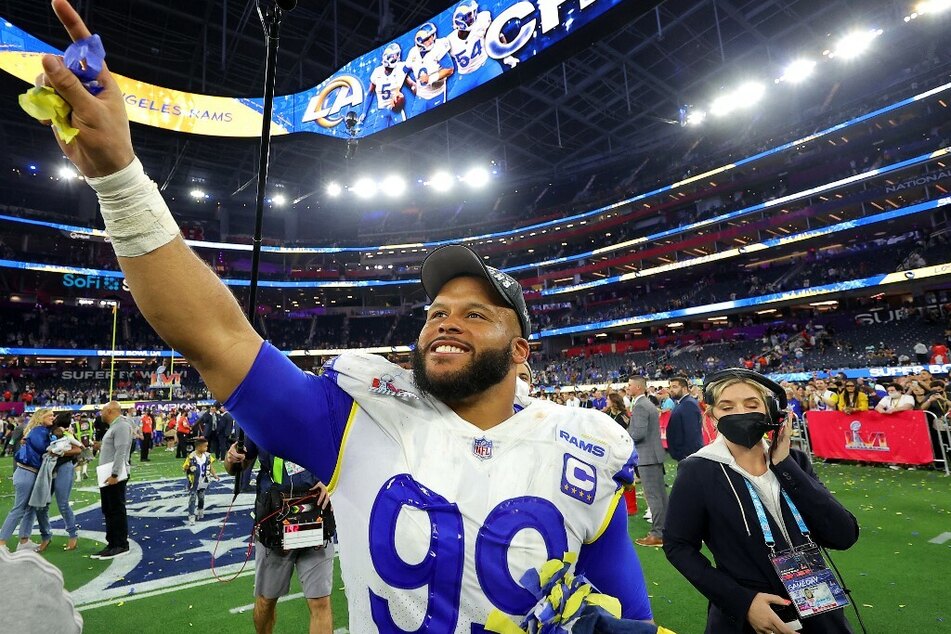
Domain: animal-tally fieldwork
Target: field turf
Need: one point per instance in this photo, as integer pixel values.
(897, 571)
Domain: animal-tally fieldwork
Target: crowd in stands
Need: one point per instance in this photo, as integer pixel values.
(904, 137)
(858, 258)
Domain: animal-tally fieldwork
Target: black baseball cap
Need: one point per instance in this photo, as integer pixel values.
(455, 260)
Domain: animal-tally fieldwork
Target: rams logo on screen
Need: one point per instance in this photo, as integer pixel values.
(329, 106)
(589, 447)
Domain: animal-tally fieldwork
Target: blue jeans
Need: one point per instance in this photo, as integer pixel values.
(196, 496)
(62, 487)
(23, 481)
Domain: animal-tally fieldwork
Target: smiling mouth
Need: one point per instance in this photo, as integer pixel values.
(446, 348)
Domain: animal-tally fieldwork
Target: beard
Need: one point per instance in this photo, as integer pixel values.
(486, 370)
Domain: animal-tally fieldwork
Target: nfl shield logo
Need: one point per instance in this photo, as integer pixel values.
(482, 448)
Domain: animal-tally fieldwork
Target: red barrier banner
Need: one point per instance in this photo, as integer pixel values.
(664, 421)
(900, 438)
(12, 407)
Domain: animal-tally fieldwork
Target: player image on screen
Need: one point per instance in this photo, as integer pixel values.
(386, 82)
(425, 59)
(468, 50)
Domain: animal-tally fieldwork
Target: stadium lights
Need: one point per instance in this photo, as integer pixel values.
(279, 200)
(798, 71)
(477, 177)
(365, 188)
(334, 190)
(748, 94)
(932, 6)
(67, 172)
(854, 44)
(441, 181)
(695, 117)
(198, 194)
(393, 186)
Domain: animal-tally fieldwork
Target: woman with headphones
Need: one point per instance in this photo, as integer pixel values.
(762, 512)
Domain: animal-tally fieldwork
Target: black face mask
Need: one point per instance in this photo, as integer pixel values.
(744, 429)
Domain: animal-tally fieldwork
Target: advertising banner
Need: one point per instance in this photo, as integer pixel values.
(458, 50)
(900, 438)
(12, 407)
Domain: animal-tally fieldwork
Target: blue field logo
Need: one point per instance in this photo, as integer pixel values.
(165, 551)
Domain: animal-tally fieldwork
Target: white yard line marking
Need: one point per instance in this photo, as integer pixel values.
(155, 593)
(940, 539)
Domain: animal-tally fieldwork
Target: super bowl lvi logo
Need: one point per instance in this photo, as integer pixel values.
(873, 441)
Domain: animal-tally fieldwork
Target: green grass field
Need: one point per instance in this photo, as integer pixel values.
(896, 573)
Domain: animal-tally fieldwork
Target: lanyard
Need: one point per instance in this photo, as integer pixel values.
(764, 523)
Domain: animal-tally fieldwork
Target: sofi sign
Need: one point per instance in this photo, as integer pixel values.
(96, 282)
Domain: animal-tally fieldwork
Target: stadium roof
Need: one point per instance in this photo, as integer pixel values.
(615, 99)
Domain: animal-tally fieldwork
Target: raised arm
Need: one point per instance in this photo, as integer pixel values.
(182, 299)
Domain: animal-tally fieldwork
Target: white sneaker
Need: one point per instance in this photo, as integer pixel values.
(201, 514)
(191, 520)
(648, 517)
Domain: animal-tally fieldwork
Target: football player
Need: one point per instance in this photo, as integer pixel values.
(386, 82)
(448, 487)
(426, 61)
(468, 50)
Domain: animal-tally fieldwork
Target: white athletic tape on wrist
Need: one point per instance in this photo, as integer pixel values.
(137, 219)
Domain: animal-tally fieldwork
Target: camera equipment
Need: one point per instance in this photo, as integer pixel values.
(291, 523)
(350, 120)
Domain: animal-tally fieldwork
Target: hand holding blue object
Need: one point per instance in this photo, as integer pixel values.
(84, 58)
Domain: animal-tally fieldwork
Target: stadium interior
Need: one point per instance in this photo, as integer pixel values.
(673, 191)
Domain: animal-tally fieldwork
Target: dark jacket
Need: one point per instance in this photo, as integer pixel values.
(685, 429)
(704, 508)
(226, 427)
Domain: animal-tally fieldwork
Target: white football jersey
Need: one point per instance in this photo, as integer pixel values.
(438, 520)
(470, 54)
(429, 64)
(387, 85)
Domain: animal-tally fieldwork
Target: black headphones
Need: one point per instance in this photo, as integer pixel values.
(775, 404)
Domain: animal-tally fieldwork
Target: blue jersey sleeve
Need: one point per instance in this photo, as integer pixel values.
(612, 566)
(291, 413)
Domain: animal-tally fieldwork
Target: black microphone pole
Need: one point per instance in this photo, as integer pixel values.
(271, 14)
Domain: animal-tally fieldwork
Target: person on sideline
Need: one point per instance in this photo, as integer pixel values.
(65, 454)
(719, 496)
(645, 431)
(275, 567)
(685, 428)
(199, 469)
(114, 450)
(28, 457)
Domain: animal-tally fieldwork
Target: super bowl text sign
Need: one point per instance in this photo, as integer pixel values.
(456, 51)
